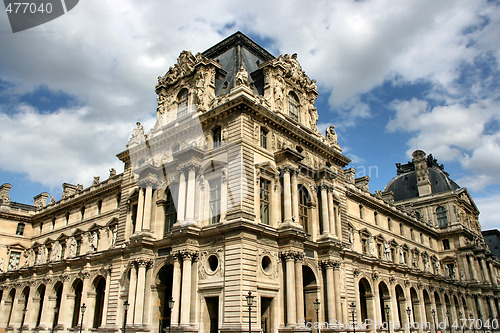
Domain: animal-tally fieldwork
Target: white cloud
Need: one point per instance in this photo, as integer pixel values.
(489, 213)
(109, 54)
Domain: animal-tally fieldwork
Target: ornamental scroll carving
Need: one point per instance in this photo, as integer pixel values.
(267, 262)
(211, 264)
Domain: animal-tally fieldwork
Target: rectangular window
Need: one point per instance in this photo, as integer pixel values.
(389, 226)
(446, 244)
(360, 212)
(14, 260)
(401, 229)
(216, 137)
(264, 201)
(170, 212)
(133, 217)
(78, 246)
(364, 245)
(375, 217)
(215, 199)
(380, 251)
(263, 137)
(430, 242)
(20, 229)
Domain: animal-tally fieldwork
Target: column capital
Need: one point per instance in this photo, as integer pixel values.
(143, 262)
(185, 254)
(288, 169)
(84, 274)
(292, 255)
(331, 263)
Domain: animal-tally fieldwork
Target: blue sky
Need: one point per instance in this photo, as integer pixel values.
(393, 77)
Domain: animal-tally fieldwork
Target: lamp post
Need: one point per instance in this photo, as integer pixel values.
(482, 322)
(433, 312)
(125, 307)
(249, 298)
(408, 312)
(170, 307)
(448, 316)
(472, 321)
(54, 323)
(353, 312)
(387, 309)
(316, 307)
(82, 310)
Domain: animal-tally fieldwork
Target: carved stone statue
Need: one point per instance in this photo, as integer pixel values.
(96, 180)
(351, 237)
(112, 172)
(371, 246)
(241, 78)
(278, 93)
(138, 131)
(427, 264)
(114, 235)
(72, 247)
(94, 239)
(387, 252)
(437, 267)
(402, 256)
(331, 136)
(200, 90)
(56, 251)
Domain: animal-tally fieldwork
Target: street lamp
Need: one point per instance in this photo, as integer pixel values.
(249, 298)
(482, 322)
(472, 321)
(125, 307)
(316, 307)
(353, 312)
(433, 312)
(54, 323)
(170, 307)
(408, 312)
(387, 309)
(82, 310)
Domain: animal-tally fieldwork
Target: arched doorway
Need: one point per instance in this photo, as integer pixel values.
(310, 287)
(164, 288)
(365, 300)
(401, 305)
(439, 308)
(10, 300)
(26, 296)
(385, 300)
(100, 288)
(415, 307)
(58, 289)
(41, 297)
(77, 289)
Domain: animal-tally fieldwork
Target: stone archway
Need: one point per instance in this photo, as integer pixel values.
(366, 300)
(164, 290)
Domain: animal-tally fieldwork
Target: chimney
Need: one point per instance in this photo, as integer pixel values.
(4, 190)
(422, 172)
(68, 190)
(41, 200)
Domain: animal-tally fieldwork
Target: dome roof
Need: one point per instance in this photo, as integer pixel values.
(404, 185)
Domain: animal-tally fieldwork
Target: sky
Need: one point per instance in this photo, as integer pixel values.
(393, 76)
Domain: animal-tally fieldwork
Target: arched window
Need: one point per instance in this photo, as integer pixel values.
(100, 287)
(58, 290)
(441, 216)
(293, 106)
(304, 200)
(170, 211)
(182, 103)
(41, 295)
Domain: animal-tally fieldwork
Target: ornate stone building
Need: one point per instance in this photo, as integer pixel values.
(235, 190)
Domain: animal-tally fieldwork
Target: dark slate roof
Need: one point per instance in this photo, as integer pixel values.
(231, 53)
(404, 185)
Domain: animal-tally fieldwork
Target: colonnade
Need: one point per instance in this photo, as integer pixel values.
(182, 287)
(136, 292)
(474, 264)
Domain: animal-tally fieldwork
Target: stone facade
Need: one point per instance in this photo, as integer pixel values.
(234, 190)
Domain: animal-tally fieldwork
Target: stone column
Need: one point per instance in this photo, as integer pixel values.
(48, 310)
(299, 289)
(376, 300)
(330, 289)
(295, 197)
(331, 213)
(324, 211)
(493, 307)
(176, 290)
(146, 223)
(64, 307)
(17, 310)
(140, 211)
(132, 287)
(466, 268)
(291, 314)
(190, 199)
(484, 270)
(106, 297)
(141, 286)
(275, 203)
(287, 196)
(337, 281)
(187, 257)
(472, 268)
(32, 310)
(492, 273)
(223, 196)
(181, 202)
